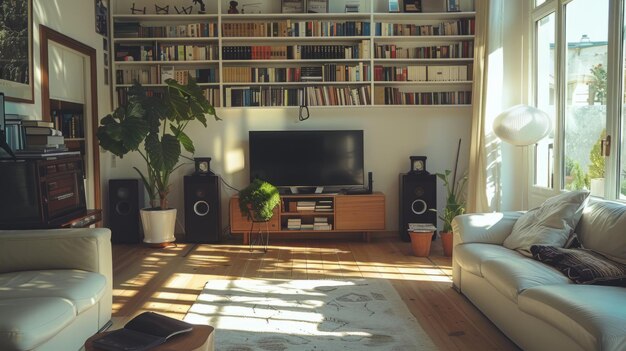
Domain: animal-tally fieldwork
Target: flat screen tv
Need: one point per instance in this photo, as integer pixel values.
(329, 159)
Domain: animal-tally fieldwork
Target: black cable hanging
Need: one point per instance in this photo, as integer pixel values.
(303, 113)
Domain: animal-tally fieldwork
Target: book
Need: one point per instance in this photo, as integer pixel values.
(32, 140)
(41, 131)
(143, 332)
(37, 123)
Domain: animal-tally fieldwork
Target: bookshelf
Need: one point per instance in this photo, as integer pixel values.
(266, 58)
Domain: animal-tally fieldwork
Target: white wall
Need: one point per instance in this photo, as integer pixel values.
(391, 136)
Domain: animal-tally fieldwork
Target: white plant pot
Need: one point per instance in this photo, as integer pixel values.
(597, 187)
(158, 225)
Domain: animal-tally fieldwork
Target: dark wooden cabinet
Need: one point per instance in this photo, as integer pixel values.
(43, 193)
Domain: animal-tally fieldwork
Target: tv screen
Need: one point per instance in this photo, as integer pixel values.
(328, 158)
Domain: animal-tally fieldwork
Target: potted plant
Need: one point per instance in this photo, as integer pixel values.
(258, 200)
(455, 205)
(154, 126)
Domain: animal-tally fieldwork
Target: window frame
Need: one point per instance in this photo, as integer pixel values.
(615, 55)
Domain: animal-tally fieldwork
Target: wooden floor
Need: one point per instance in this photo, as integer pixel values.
(169, 280)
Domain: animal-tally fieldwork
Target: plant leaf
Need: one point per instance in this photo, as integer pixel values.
(164, 153)
(183, 138)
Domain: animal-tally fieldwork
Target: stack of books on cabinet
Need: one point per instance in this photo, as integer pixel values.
(321, 223)
(305, 206)
(294, 223)
(324, 206)
(42, 137)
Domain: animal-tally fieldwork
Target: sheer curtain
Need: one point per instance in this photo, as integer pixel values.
(484, 192)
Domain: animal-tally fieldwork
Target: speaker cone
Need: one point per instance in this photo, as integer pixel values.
(201, 208)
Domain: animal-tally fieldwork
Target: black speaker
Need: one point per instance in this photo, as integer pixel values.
(124, 202)
(202, 209)
(418, 195)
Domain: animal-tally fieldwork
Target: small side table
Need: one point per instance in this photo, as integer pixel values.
(200, 338)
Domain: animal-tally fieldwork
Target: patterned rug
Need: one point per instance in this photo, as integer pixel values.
(307, 315)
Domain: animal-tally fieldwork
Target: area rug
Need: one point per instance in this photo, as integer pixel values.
(307, 315)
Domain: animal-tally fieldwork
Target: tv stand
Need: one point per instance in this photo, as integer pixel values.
(317, 213)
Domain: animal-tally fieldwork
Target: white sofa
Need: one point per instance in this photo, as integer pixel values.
(534, 304)
(55, 287)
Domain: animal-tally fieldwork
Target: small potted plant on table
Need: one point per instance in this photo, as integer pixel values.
(257, 202)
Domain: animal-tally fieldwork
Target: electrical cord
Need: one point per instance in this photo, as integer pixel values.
(303, 112)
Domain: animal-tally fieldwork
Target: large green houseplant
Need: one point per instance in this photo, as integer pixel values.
(154, 126)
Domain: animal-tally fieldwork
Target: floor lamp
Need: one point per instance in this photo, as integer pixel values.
(522, 125)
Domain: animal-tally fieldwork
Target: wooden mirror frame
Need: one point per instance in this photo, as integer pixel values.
(45, 35)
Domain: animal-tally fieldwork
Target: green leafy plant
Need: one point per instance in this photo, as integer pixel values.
(596, 166)
(158, 123)
(579, 179)
(257, 200)
(455, 198)
(597, 84)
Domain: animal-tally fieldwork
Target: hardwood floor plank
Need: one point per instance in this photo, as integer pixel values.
(169, 280)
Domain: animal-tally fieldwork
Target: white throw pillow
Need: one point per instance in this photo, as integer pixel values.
(549, 224)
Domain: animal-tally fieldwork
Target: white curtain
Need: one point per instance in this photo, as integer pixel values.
(484, 191)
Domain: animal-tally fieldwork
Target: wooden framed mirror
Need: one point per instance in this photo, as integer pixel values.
(69, 99)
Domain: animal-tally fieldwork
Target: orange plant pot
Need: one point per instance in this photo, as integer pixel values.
(446, 242)
(420, 242)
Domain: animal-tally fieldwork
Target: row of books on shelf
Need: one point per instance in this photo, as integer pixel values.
(319, 223)
(338, 96)
(165, 52)
(416, 73)
(330, 72)
(397, 96)
(69, 123)
(190, 30)
(297, 52)
(464, 26)
(289, 28)
(211, 94)
(159, 74)
(314, 206)
(262, 96)
(281, 96)
(464, 49)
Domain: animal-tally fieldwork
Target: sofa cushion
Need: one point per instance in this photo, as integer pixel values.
(471, 256)
(601, 229)
(548, 224)
(594, 316)
(581, 265)
(33, 321)
(512, 274)
(83, 289)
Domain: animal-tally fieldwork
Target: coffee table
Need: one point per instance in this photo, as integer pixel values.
(200, 338)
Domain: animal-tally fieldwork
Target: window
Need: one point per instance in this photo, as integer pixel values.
(545, 88)
(570, 68)
(585, 94)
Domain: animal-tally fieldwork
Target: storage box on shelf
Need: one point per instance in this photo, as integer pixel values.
(318, 213)
(261, 54)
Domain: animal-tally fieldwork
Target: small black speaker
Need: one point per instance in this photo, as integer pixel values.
(124, 203)
(370, 182)
(418, 198)
(202, 209)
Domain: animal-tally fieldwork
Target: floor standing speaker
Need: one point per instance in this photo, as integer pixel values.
(202, 209)
(418, 195)
(124, 202)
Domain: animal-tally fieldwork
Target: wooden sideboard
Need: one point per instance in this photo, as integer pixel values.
(342, 213)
